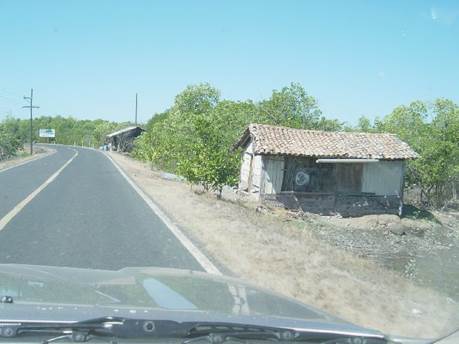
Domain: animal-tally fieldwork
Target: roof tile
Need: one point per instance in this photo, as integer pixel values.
(277, 140)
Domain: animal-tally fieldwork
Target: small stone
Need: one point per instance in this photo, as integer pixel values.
(261, 209)
(396, 228)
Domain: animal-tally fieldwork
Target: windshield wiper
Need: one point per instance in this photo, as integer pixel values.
(212, 332)
(80, 331)
(83, 331)
(219, 333)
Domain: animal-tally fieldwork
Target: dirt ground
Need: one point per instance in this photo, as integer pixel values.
(424, 249)
(24, 156)
(285, 255)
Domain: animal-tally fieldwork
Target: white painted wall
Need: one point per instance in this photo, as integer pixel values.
(245, 168)
(257, 174)
(383, 177)
(251, 173)
(273, 174)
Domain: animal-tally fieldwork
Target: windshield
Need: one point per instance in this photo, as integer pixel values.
(283, 163)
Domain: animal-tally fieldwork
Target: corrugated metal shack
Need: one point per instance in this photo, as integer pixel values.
(324, 172)
(123, 140)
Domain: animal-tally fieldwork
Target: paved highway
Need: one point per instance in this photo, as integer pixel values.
(81, 213)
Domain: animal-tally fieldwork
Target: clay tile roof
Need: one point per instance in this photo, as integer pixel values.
(276, 140)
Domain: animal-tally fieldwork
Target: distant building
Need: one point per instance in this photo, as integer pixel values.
(324, 172)
(123, 140)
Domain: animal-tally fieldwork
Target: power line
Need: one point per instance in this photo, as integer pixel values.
(31, 107)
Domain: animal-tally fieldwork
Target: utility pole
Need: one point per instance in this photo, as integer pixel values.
(135, 109)
(30, 106)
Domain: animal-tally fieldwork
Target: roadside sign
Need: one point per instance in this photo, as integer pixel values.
(47, 132)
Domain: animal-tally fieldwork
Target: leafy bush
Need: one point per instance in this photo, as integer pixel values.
(10, 141)
(432, 130)
(209, 162)
(195, 137)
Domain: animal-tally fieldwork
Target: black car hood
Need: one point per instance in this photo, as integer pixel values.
(42, 293)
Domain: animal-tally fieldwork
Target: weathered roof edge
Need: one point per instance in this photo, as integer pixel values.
(120, 131)
(249, 133)
(243, 139)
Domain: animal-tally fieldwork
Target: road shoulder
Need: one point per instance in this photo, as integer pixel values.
(39, 153)
(200, 257)
(286, 257)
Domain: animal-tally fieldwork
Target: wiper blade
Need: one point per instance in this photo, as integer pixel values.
(83, 331)
(216, 333)
(212, 332)
(80, 331)
(219, 333)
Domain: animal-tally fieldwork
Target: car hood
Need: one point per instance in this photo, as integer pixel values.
(42, 293)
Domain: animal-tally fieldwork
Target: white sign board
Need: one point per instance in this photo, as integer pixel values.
(47, 133)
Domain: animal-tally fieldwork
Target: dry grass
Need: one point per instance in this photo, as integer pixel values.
(286, 257)
(23, 156)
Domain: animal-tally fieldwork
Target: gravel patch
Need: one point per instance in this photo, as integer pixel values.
(425, 251)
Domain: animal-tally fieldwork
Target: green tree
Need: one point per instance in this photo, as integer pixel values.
(292, 107)
(68, 130)
(194, 138)
(209, 163)
(364, 124)
(156, 143)
(197, 99)
(10, 140)
(432, 131)
(326, 124)
(102, 129)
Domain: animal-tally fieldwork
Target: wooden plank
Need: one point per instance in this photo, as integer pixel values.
(273, 175)
(383, 178)
(349, 177)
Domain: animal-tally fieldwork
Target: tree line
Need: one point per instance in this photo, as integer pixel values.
(194, 137)
(70, 131)
(432, 130)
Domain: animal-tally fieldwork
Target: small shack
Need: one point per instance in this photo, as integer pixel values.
(348, 173)
(123, 140)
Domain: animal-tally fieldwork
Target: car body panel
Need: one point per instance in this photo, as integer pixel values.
(43, 293)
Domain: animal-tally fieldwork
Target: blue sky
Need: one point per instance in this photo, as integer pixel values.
(89, 58)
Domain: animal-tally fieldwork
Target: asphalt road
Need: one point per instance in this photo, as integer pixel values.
(87, 217)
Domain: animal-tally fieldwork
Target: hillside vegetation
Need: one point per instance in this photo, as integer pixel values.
(9, 142)
(15, 132)
(432, 130)
(194, 138)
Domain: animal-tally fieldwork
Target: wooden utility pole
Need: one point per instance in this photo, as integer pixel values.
(30, 106)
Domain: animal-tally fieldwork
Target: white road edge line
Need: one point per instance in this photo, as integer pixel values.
(27, 161)
(13, 212)
(195, 252)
